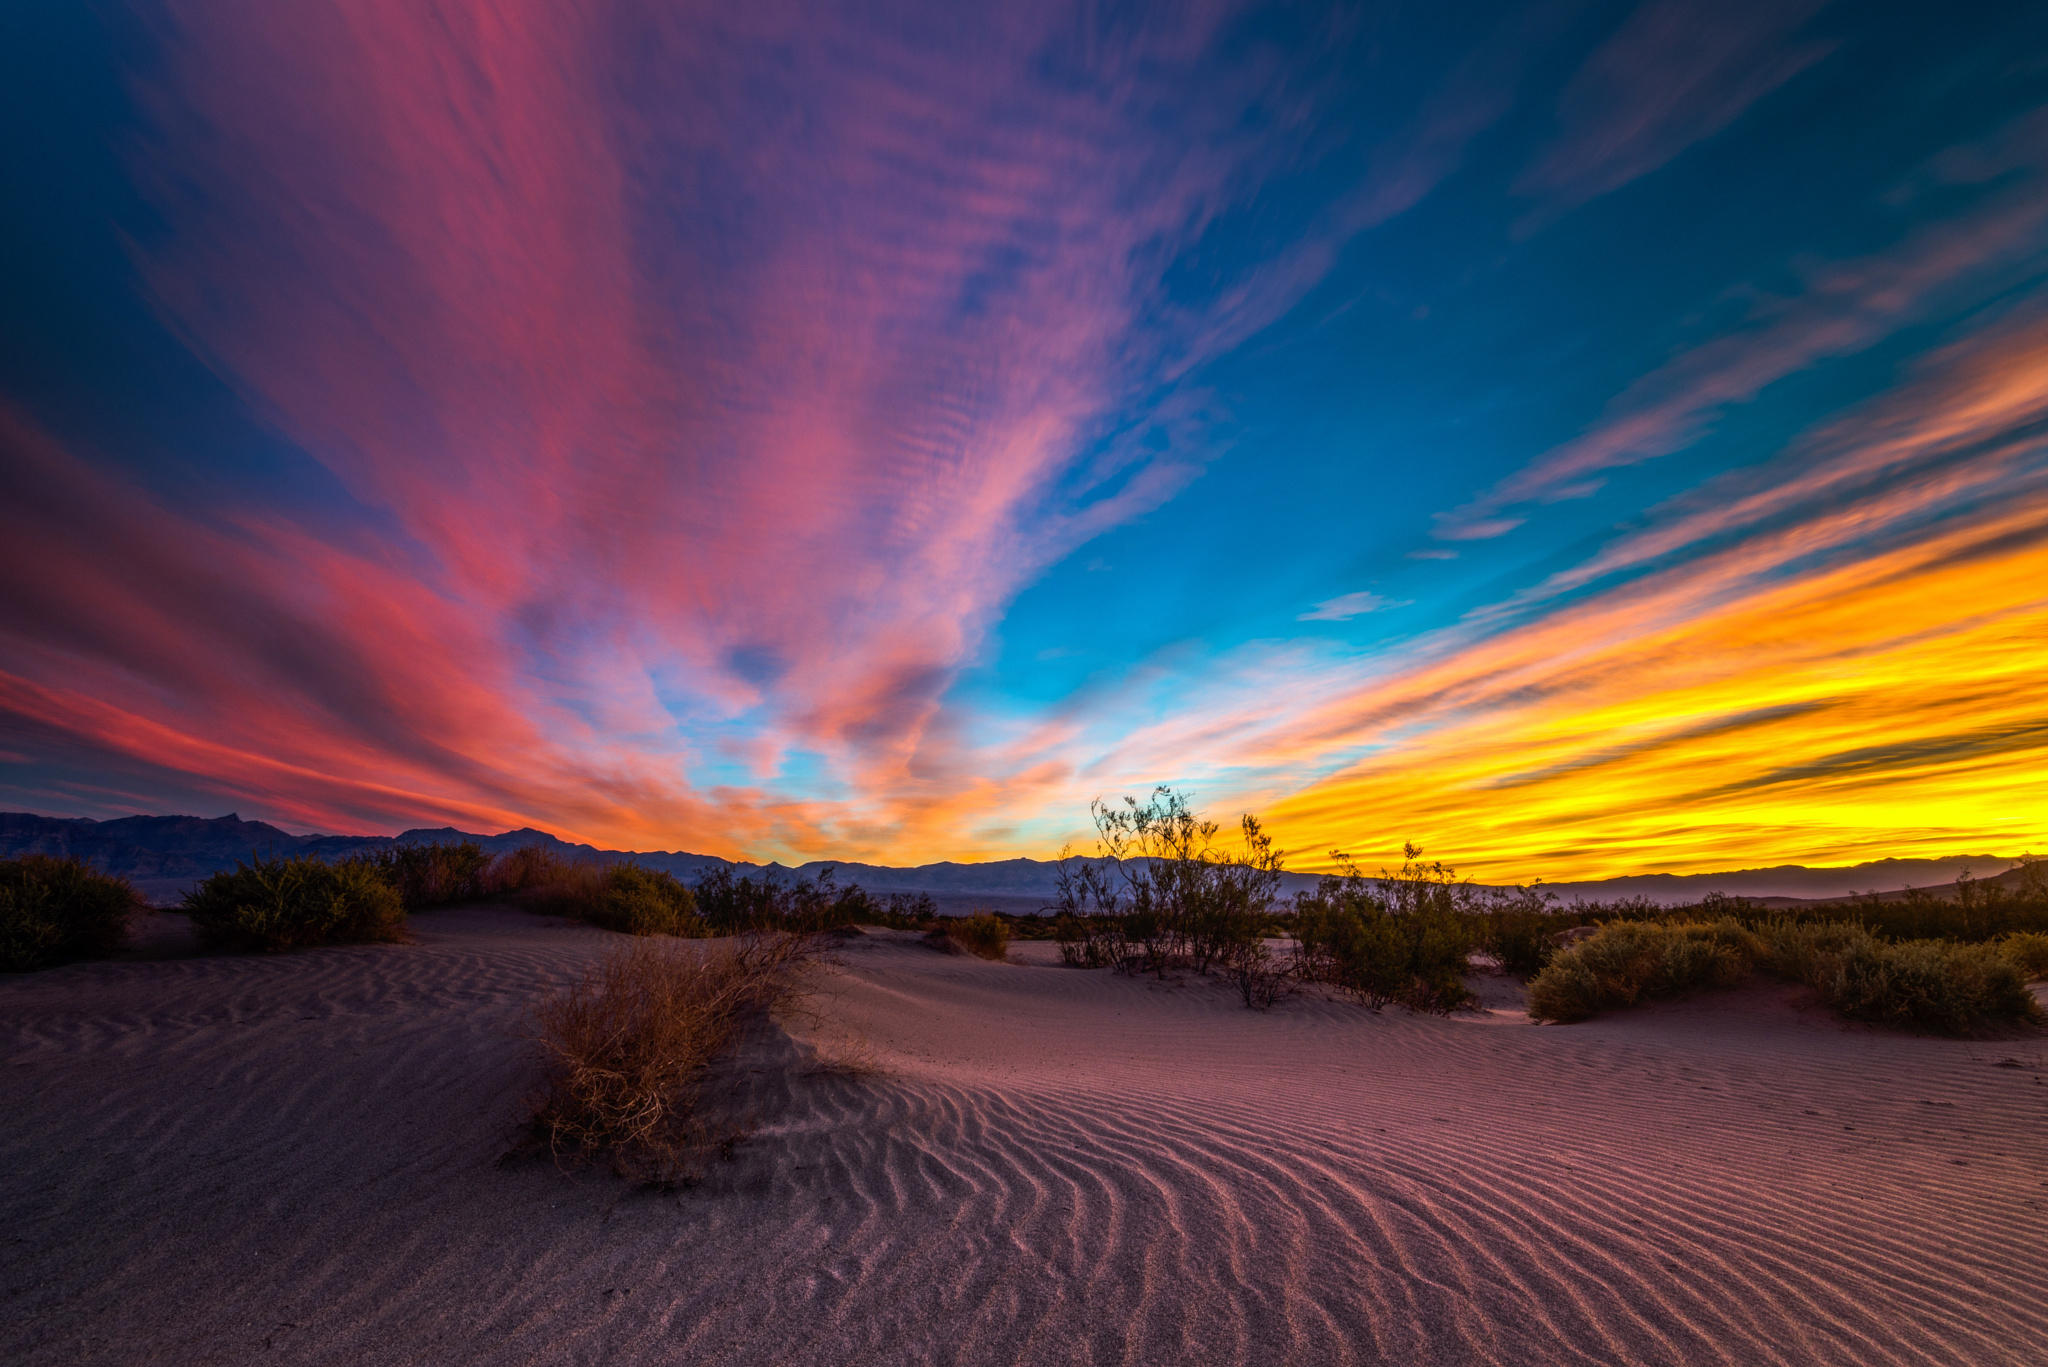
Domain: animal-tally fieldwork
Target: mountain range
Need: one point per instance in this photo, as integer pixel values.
(165, 855)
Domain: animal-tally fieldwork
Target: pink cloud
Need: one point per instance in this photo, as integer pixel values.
(725, 372)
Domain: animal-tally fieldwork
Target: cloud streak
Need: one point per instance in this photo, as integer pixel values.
(723, 374)
(1673, 75)
(1727, 686)
(676, 422)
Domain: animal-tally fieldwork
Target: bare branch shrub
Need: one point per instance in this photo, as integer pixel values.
(1160, 892)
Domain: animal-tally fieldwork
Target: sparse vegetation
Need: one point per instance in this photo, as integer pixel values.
(731, 904)
(1943, 986)
(1517, 928)
(1932, 985)
(295, 902)
(53, 911)
(1940, 986)
(626, 1050)
(524, 870)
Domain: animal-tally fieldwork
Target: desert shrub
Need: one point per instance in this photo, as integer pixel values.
(1522, 943)
(1934, 985)
(622, 897)
(53, 911)
(1805, 950)
(1942, 986)
(624, 1051)
(638, 901)
(1031, 925)
(525, 869)
(1517, 928)
(435, 874)
(1082, 944)
(730, 903)
(981, 935)
(1629, 961)
(2028, 949)
(1260, 977)
(1382, 957)
(1399, 938)
(1161, 893)
(289, 903)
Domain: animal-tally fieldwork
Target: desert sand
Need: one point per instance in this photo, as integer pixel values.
(297, 1159)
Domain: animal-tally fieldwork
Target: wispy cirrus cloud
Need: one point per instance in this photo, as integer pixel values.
(1346, 606)
(676, 417)
(706, 381)
(1802, 662)
(1843, 308)
(1672, 75)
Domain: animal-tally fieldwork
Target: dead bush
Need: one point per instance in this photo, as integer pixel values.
(625, 1050)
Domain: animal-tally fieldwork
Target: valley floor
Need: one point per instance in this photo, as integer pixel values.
(296, 1159)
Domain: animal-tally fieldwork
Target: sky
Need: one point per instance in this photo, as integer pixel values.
(1580, 438)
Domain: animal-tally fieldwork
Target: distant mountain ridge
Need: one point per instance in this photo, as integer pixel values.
(164, 855)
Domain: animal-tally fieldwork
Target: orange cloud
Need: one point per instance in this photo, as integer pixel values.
(1848, 662)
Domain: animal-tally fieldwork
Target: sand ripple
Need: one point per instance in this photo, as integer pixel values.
(294, 1159)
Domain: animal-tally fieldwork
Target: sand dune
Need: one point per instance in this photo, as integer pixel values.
(296, 1159)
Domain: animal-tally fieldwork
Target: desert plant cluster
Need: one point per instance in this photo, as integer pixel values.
(53, 911)
(1948, 987)
(296, 902)
(730, 902)
(1160, 894)
(984, 935)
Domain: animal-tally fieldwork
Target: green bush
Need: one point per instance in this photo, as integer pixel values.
(626, 898)
(1521, 942)
(1804, 950)
(1933, 985)
(55, 910)
(1162, 893)
(1629, 961)
(1408, 944)
(435, 874)
(290, 903)
(982, 935)
(2028, 949)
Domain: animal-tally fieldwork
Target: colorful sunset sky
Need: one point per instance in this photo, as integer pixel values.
(1581, 438)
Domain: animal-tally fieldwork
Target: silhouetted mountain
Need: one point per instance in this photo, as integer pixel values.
(1790, 881)
(164, 855)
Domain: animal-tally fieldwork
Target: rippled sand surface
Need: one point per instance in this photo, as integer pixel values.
(297, 1160)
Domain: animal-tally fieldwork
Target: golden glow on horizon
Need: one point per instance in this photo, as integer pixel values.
(1895, 707)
